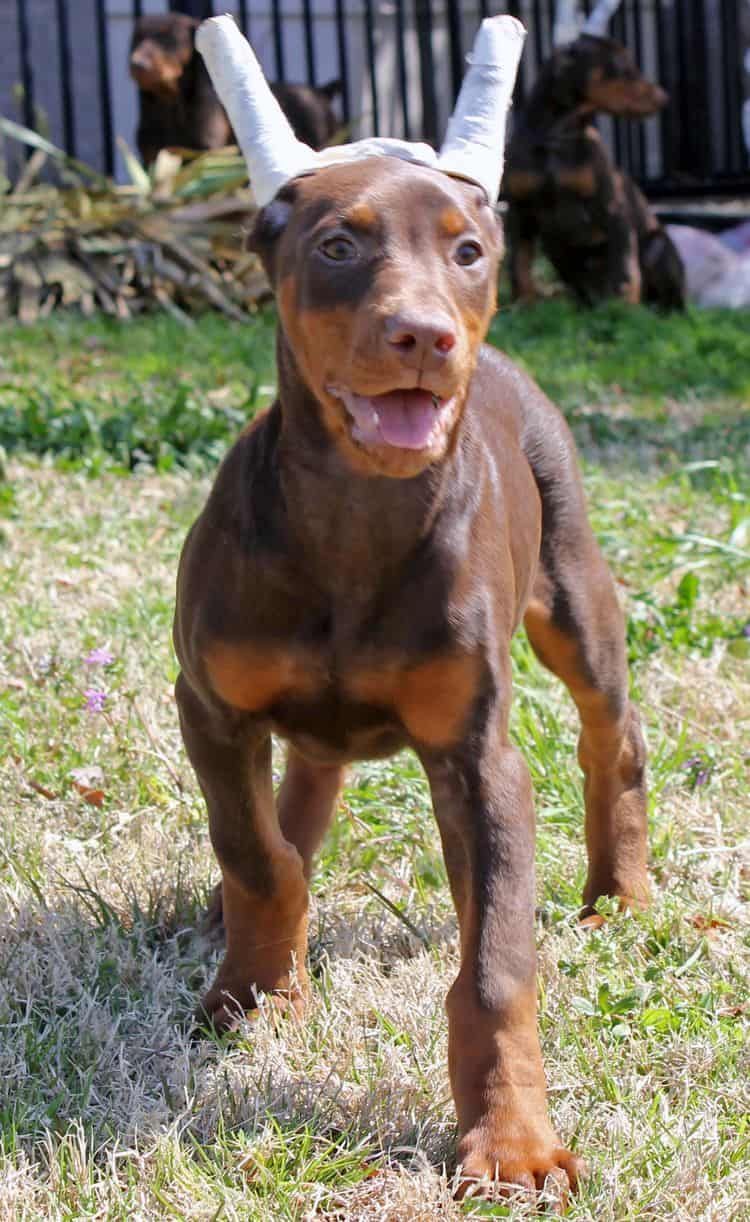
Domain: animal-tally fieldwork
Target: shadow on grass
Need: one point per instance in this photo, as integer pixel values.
(584, 356)
(666, 441)
(96, 1012)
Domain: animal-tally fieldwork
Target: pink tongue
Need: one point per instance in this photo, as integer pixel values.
(406, 417)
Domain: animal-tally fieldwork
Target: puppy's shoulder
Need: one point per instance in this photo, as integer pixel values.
(499, 382)
(509, 399)
(246, 485)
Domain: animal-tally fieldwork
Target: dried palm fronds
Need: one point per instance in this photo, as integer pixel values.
(172, 239)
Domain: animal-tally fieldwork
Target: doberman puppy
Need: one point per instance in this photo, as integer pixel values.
(178, 105)
(593, 223)
(369, 547)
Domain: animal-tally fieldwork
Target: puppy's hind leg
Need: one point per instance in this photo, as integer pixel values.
(576, 628)
(307, 801)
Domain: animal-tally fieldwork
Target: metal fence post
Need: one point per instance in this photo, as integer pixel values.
(193, 8)
(27, 75)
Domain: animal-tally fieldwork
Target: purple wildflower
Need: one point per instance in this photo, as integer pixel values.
(100, 656)
(94, 700)
(699, 768)
(746, 630)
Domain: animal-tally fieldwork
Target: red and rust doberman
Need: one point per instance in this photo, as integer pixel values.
(369, 547)
(593, 223)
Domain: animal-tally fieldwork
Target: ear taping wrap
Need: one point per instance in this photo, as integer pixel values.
(474, 143)
(272, 151)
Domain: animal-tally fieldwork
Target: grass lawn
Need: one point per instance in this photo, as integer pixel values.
(107, 1109)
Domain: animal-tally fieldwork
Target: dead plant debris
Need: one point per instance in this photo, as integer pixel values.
(172, 239)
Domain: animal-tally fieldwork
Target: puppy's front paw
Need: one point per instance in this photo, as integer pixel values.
(529, 1159)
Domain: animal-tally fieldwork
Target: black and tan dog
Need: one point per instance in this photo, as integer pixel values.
(179, 107)
(370, 546)
(564, 191)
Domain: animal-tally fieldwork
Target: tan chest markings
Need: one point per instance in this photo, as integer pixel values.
(581, 180)
(520, 183)
(251, 677)
(433, 699)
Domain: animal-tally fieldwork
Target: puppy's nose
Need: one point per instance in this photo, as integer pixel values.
(421, 334)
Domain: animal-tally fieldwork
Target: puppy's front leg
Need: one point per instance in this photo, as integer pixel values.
(623, 277)
(483, 803)
(263, 887)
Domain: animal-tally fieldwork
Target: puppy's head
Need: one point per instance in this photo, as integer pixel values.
(612, 81)
(160, 50)
(385, 275)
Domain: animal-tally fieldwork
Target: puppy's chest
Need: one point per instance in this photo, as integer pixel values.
(350, 700)
(569, 168)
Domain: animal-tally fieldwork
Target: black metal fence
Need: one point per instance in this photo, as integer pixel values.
(64, 66)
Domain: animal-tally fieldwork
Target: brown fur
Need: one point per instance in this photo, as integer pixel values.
(593, 223)
(178, 105)
(355, 599)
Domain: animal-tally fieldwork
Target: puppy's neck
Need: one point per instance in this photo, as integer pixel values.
(344, 520)
(556, 100)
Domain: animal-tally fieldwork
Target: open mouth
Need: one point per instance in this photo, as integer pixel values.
(405, 419)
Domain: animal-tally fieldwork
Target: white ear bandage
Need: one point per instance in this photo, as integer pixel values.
(474, 143)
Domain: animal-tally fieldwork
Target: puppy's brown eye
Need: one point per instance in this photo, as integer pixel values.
(338, 249)
(467, 253)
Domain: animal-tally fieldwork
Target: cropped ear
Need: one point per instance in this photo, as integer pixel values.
(270, 222)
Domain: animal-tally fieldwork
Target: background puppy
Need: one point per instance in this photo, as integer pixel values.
(178, 105)
(593, 223)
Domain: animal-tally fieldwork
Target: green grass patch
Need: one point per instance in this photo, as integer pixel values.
(147, 392)
(594, 356)
(153, 391)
